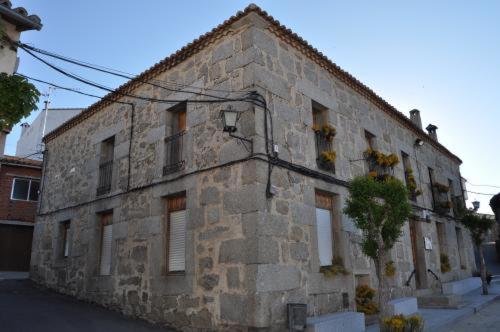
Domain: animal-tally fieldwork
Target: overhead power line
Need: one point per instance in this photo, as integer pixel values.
(482, 185)
(485, 194)
(118, 73)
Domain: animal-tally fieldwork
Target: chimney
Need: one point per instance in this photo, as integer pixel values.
(3, 139)
(415, 118)
(24, 127)
(431, 129)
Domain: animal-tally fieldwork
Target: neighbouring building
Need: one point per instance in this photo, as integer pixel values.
(19, 184)
(153, 208)
(19, 178)
(13, 22)
(30, 141)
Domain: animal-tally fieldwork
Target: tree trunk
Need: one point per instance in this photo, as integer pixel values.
(383, 291)
(482, 266)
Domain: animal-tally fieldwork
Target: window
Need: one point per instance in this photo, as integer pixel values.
(106, 166)
(174, 157)
(106, 221)
(65, 226)
(370, 140)
(461, 248)
(432, 181)
(325, 156)
(328, 228)
(176, 233)
(441, 235)
(410, 181)
(25, 189)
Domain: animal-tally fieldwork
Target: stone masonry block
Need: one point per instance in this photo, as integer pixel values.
(271, 277)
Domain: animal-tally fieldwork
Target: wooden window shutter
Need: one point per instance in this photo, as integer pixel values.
(324, 200)
(106, 241)
(176, 237)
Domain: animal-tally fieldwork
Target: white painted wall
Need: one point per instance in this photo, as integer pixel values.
(30, 140)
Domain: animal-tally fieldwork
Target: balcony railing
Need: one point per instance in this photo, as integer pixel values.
(442, 203)
(174, 156)
(105, 176)
(324, 145)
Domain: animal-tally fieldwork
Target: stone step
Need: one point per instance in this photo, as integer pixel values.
(340, 322)
(440, 301)
(461, 287)
(424, 292)
(406, 306)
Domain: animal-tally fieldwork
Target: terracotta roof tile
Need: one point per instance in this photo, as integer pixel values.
(20, 161)
(283, 33)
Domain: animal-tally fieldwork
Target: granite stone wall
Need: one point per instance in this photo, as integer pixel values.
(247, 256)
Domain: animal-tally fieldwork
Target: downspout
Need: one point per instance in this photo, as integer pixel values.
(44, 165)
(130, 143)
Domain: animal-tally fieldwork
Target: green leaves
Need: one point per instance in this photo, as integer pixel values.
(18, 98)
(477, 225)
(379, 209)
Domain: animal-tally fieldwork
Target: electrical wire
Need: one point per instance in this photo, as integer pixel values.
(58, 86)
(485, 194)
(116, 72)
(482, 185)
(102, 87)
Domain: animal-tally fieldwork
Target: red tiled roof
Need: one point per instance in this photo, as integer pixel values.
(12, 160)
(281, 32)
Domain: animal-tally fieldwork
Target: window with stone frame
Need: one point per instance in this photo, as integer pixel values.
(106, 166)
(410, 181)
(328, 227)
(370, 141)
(106, 225)
(175, 222)
(461, 248)
(65, 238)
(174, 140)
(324, 133)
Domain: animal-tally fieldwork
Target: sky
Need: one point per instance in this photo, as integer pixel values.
(441, 57)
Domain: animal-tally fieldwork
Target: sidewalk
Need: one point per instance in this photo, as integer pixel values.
(5, 275)
(440, 319)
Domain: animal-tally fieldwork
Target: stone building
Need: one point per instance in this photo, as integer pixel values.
(175, 220)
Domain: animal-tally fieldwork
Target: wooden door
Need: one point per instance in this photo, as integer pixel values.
(414, 248)
(15, 247)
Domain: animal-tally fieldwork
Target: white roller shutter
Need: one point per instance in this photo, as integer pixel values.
(177, 241)
(325, 242)
(107, 235)
(66, 241)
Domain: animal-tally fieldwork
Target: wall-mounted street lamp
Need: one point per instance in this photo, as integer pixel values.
(230, 118)
(476, 205)
(419, 142)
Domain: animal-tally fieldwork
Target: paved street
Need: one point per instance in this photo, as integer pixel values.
(486, 320)
(26, 308)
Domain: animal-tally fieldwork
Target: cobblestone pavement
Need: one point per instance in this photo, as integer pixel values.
(486, 320)
(25, 307)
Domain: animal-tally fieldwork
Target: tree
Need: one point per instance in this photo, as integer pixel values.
(380, 209)
(478, 226)
(18, 98)
(495, 205)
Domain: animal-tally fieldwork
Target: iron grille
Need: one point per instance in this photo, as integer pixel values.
(105, 176)
(174, 156)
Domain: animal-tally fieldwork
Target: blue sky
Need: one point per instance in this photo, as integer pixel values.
(441, 57)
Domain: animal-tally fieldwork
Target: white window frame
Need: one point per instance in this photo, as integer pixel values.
(29, 189)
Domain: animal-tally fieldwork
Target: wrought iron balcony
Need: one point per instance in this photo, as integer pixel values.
(324, 147)
(174, 154)
(105, 176)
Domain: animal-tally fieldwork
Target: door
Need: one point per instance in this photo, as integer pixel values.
(414, 248)
(15, 247)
